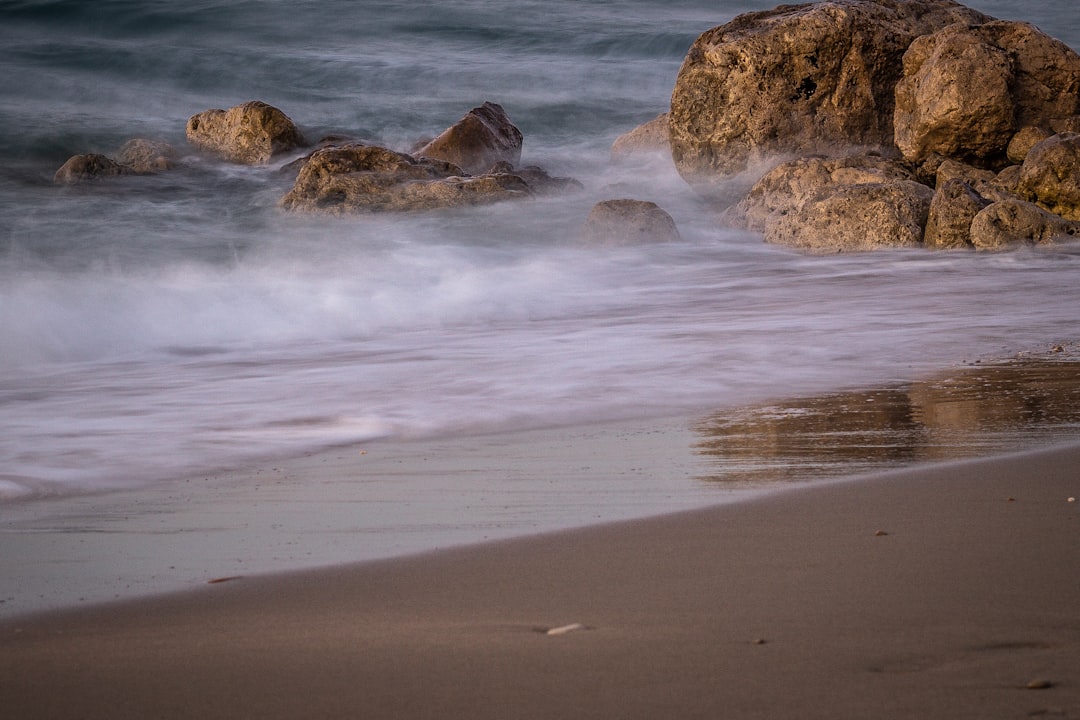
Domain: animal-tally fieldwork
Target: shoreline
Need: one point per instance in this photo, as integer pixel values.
(945, 590)
(389, 499)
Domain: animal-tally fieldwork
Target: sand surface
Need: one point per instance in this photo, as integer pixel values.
(935, 592)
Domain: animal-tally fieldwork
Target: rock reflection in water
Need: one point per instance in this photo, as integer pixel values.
(988, 409)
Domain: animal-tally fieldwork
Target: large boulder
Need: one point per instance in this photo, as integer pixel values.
(796, 80)
(1050, 175)
(249, 134)
(483, 137)
(628, 222)
(365, 178)
(825, 205)
(968, 89)
(1010, 223)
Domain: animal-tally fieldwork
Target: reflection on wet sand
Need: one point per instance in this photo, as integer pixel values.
(979, 411)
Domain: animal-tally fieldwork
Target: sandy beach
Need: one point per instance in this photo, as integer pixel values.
(947, 591)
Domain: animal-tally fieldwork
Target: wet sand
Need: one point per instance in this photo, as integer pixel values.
(935, 592)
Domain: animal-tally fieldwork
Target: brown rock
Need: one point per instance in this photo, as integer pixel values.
(966, 88)
(787, 187)
(80, 168)
(367, 178)
(800, 79)
(1050, 175)
(956, 170)
(483, 137)
(1022, 142)
(948, 225)
(1011, 223)
(954, 98)
(250, 134)
(852, 218)
(652, 137)
(628, 222)
(147, 156)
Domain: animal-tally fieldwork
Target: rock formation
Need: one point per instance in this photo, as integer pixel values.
(361, 178)
(80, 168)
(483, 137)
(249, 134)
(796, 80)
(628, 222)
(943, 95)
(138, 156)
(967, 90)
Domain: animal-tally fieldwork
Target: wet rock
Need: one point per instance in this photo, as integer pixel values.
(1010, 223)
(366, 178)
(853, 218)
(481, 138)
(787, 187)
(1050, 175)
(948, 225)
(796, 80)
(652, 137)
(147, 156)
(847, 204)
(540, 181)
(628, 222)
(80, 168)
(966, 89)
(249, 134)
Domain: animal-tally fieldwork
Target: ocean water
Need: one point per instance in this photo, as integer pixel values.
(155, 327)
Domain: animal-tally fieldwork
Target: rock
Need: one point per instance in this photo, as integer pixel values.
(1050, 175)
(967, 88)
(483, 137)
(628, 222)
(813, 204)
(80, 168)
(538, 179)
(955, 170)
(1009, 223)
(852, 218)
(1022, 142)
(652, 137)
(796, 80)
(250, 134)
(368, 178)
(954, 98)
(948, 225)
(787, 187)
(147, 156)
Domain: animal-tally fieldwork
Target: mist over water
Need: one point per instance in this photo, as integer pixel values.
(156, 326)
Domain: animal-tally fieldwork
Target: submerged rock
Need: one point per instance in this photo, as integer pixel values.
(628, 222)
(80, 168)
(483, 137)
(249, 134)
(796, 80)
(147, 156)
(367, 178)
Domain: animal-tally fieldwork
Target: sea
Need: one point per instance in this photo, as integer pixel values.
(154, 327)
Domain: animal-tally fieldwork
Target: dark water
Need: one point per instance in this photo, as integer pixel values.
(150, 327)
